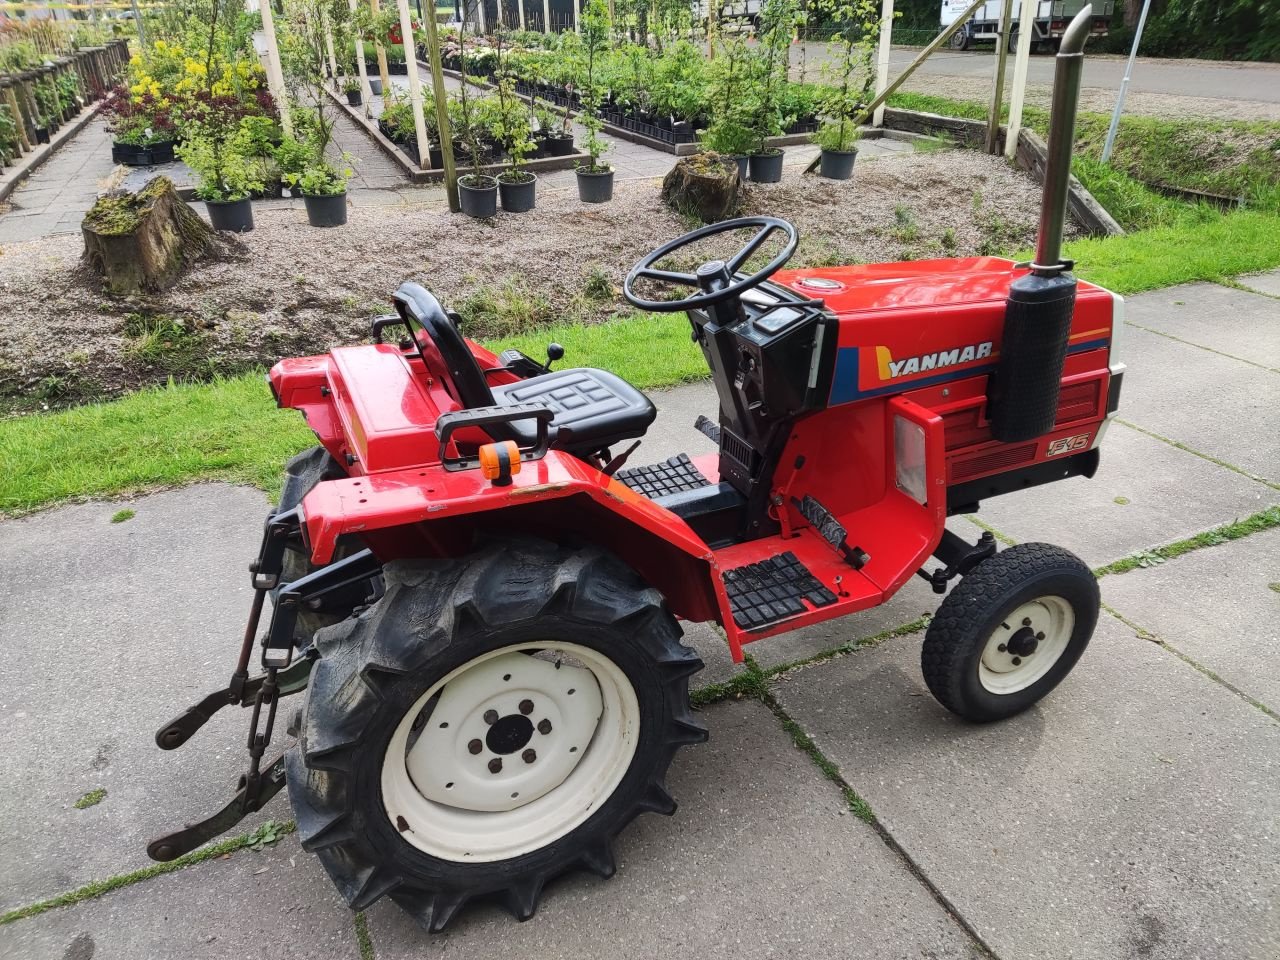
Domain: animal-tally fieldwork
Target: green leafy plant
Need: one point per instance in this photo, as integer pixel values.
(510, 126)
(595, 44)
(728, 95)
(221, 165)
(849, 75)
(777, 24)
(320, 179)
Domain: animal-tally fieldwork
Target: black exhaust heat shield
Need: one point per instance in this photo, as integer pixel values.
(1022, 398)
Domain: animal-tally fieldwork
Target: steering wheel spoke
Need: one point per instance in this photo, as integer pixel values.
(668, 276)
(647, 268)
(736, 262)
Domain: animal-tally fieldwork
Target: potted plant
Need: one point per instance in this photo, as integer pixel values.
(225, 178)
(595, 179)
(849, 78)
(516, 185)
(777, 22)
(351, 87)
(557, 130)
(477, 193)
(324, 192)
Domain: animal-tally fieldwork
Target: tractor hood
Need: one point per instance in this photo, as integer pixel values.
(918, 283)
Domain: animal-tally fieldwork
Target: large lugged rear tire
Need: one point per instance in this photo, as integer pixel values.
(1010, 631)
(490, 723)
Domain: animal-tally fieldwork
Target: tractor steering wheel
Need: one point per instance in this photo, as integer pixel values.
(716, 277)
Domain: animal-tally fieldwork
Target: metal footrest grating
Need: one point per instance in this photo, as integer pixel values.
(772, 590)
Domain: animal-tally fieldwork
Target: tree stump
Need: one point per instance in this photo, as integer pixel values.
(142, 241)
(705, 185)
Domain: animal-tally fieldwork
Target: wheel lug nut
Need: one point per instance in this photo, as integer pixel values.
(529, 756)
(491, 717)
(1002, 648)
(495, 765)
(1017, 661)
(1040, 635)
(475, 746)
(544, 726)
(1026, 621)
(526, 707)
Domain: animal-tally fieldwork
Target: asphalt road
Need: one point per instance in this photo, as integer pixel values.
(1252, 82)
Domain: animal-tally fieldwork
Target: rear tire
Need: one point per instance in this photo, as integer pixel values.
(1010, 631)
(960, 39)
(434, 662)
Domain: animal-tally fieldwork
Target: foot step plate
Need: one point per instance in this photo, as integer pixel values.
(660, 479)
(771, 590)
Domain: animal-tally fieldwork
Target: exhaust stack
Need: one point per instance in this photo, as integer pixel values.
(1022, 394)
(1062, 130)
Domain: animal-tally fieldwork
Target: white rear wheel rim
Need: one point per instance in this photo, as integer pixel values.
(1005, 666)
(511, 751)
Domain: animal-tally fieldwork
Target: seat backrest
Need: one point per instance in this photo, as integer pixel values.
(418, 308)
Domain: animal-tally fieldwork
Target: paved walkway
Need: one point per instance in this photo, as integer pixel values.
(1133, 814)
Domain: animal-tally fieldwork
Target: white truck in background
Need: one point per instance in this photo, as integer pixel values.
(1052, 17)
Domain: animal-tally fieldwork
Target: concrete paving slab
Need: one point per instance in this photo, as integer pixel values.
(1130, 814)
(760, 861)
(1268, 283)
(273, 903)
(111, 630)
(1236, 322)
(1220, 606)
(1213, 404)
(1145, 493)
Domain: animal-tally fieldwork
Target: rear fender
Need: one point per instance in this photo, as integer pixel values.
(433, 512)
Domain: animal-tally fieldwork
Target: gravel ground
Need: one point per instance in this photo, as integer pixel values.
(287, 288)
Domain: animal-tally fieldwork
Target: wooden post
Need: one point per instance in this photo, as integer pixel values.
(275, 73)
(381, 52)
(415, 84)
(997, 94)
(1026, 27)
(366, 92)
(18, 120)
(577, 15)
(546, 16)
(520, 5)
(442, 114)
(328, 45)
(882, 58)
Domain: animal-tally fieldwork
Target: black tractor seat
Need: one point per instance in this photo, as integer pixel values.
(594, 409)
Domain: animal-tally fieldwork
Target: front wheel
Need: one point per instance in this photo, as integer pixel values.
(490, 723)
(960, 39)
(1010, 631)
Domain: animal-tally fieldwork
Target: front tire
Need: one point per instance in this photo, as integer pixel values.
(1010, 631)
(490, 723)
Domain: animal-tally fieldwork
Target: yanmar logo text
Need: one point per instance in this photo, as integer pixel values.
(891, 368)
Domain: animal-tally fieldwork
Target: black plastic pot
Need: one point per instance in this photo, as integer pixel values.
(517, 197)
(741, 160)
(233, 215)
(595, 187)
(765, 167)
(42, 136)
(326, 211)
(479, 200)
(560, 146)
(134, 156)
(435, 157)
(353, 98)
(837, 164)
(375, 86)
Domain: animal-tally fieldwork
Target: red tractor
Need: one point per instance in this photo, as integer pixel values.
(483, 604)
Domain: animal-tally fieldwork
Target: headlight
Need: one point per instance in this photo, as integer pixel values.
(908, 459)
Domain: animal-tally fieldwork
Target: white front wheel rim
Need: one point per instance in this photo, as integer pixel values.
(510, 752)
(1026, 644)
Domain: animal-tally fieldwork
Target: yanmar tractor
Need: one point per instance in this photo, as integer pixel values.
(483, 605)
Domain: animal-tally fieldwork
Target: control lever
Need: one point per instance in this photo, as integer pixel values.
(554, 352)
(614, 465)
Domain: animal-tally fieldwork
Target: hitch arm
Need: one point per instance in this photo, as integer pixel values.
(173, 845)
